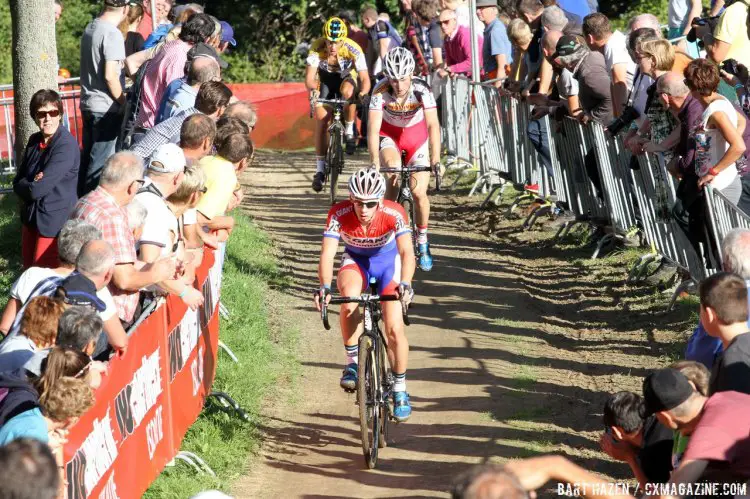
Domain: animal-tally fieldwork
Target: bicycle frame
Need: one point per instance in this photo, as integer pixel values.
(335, 153)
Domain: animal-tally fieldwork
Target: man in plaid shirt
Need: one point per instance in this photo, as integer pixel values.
(104, 208)
(169, 65)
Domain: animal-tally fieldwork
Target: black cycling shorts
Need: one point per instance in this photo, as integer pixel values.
(330, 84)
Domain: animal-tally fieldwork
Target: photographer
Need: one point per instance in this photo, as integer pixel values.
(726, 38)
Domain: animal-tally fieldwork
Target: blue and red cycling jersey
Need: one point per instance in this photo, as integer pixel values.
(388, 223)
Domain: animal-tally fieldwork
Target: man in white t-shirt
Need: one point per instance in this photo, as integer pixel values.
(161, 232)
(613, 45)
(73, 236)
(164, 173)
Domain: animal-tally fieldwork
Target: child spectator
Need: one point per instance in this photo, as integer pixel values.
(724, 313)
(642, 443)
(718, 427)
(697, 375)
(38, 331)
(68, 398)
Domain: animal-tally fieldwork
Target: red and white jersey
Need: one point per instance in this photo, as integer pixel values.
(389, 223)
(408, 113)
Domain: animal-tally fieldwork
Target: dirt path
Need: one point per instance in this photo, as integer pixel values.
(513, 349)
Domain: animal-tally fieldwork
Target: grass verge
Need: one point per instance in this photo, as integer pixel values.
(225, 441)
(265, 352)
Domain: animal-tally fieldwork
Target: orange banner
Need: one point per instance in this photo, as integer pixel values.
(149, 397)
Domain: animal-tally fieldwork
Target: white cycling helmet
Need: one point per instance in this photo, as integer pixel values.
(367, 184)
(398, 63)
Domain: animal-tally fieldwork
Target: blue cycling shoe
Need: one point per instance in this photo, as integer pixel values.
(349, 379)
(401, 406)
(425, 258)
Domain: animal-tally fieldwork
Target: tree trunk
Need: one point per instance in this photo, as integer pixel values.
(34, 61)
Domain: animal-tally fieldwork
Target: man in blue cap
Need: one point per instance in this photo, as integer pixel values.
(227, 37)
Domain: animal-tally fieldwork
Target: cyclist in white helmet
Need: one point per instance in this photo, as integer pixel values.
(377, 243)
(403, 117)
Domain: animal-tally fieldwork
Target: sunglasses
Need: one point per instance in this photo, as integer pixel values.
(204, 190)
(85, 369)
(54, 113)
(140, 182)
(366, 204)
(446, 22)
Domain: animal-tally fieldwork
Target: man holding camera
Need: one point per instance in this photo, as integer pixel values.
(726, 38)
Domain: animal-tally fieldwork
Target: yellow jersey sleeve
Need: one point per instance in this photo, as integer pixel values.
(351, 51)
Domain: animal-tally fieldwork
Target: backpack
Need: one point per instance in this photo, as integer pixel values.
(16, 396)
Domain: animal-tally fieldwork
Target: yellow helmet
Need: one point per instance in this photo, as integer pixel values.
(335, 29)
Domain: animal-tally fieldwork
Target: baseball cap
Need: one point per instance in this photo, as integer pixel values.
(567, 45)
(227, 33)
(168, 158)
(665, 389)
(116, 3)
(77, 289)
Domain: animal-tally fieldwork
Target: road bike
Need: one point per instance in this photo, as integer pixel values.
(405, 197)
(374, 382)
(335, 154)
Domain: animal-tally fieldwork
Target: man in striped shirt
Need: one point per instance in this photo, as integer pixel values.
(169, 65)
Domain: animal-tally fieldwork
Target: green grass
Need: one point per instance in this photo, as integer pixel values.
(10, 245)
(223, 441)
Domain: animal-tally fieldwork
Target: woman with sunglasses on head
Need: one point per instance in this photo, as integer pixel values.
(46, 181)
(377, 244)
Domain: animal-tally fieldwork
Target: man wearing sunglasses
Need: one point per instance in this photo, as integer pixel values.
(403, 117)
(377, 243)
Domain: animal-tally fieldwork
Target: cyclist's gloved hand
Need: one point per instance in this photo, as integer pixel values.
(405, 294)
(314, 94)
(323, 295)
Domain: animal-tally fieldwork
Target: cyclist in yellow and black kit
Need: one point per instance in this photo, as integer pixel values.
(338, 63)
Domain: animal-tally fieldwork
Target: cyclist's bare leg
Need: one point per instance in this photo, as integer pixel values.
(398, 345)
(350, 283)
(322, 118)
(347, 91)
(390, 158)
(419, 183)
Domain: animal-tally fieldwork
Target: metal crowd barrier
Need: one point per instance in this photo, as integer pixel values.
(724, 216)
(456, 111)
(637, 197)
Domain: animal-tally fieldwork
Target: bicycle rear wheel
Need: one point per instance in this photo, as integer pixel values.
(336, 159)
(369, 412)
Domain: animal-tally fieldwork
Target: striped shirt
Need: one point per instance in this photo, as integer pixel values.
(165, 132)
(167, 66)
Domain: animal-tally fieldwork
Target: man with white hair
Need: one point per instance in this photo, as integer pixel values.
(104, 208)
(735, 256)
(556, 19)
(644, 21)
(456, 46)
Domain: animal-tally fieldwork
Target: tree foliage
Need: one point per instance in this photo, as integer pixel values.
(269, 33)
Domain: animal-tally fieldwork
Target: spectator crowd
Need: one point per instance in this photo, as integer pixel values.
(111, 228)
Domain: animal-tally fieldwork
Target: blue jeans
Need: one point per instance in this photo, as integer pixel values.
(540, 140)
(100, 132)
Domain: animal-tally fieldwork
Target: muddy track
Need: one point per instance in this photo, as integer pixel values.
(514, 347)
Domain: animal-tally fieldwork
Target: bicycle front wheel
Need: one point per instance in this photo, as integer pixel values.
(408, 205)
(369, 410)
(336, 160)
(387, 387)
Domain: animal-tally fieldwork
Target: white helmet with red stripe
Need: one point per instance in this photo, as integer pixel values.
(367, 184)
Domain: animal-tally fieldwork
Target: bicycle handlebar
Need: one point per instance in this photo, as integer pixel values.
(358, 299)
(333, 102)
(407, 169)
